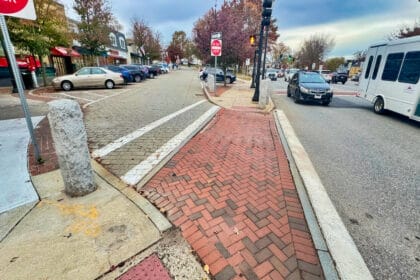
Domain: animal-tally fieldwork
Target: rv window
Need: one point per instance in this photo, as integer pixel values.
(410, 70)
(368, 67)
(392, 66)
(375, 70)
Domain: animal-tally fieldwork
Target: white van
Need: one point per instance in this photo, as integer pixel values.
(390, 78)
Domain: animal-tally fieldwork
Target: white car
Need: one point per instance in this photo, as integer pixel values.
(326, 74)
(289, 73)
(88, 77)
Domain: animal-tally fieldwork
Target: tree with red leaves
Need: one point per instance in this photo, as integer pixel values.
(236, 20)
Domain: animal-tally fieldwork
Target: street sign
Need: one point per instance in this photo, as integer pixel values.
(216, 35)
(216, 47)
(18, 8)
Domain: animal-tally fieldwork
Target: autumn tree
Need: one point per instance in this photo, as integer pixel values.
(334, 63)
(38, 36)
(280, 52)
(237, 20)
(145, 39)
(314, 49)
(96, 23)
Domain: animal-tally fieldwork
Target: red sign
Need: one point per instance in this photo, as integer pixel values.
(12, 6)
(18, 8)
(216, 47)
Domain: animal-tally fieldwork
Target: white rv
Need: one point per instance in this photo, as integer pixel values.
(390, 78)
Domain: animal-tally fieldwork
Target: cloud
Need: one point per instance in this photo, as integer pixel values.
(351, 35)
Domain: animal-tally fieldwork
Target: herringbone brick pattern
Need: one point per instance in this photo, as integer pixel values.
(231, 192)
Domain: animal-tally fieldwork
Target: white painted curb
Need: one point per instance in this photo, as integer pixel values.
(349, 262)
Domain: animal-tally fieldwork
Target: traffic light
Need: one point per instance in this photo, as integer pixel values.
(252, 40)
(266, 13)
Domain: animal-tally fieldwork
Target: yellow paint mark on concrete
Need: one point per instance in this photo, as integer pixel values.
(85, 217)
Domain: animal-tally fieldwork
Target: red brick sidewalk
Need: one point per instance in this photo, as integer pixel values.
(231, 192)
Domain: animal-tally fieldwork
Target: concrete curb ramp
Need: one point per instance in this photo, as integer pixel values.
(349, 263)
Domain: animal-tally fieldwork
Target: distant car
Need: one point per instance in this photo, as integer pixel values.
(135, 71)
(154, 71)
(309, 86)
(339, 78)
(124, 72)
(356, 77)
(271, 74)
(88, 77)
(289, 73)
(326, 74)
(220, 77)
(280, 74)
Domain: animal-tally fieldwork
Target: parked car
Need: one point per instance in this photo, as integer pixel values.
(220, 77)
(326, 74)
(289, 73)
(135, 71)
(280, 74)
(309, 86)
(339, 78)
(271, 74)
(356, 77)
(124, 72)
(88, 77)
(154, 70)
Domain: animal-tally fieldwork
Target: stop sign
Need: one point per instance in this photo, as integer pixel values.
(216, 47)
(18, 8)
(12, 6)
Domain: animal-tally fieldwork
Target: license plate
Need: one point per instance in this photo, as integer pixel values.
(317, 96)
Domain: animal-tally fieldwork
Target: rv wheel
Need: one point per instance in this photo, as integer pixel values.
(378, 107)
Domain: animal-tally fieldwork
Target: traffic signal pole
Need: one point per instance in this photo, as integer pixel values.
(256, 96)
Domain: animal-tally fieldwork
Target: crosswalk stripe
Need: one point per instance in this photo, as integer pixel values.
(136, 134)
(136, 174)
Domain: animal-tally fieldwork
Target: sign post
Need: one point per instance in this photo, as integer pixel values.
(216, 46)
(22, 9)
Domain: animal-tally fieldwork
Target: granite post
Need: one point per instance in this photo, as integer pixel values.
(70, 142)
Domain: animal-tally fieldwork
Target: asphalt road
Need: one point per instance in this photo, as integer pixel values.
(370, 167)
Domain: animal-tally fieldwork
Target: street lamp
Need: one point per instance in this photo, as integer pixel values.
(265, 22)
(252, 42)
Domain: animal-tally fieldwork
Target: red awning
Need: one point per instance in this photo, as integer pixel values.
(62, 51)
(20, 63)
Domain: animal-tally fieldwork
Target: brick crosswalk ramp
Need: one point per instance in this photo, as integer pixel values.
(231, 192)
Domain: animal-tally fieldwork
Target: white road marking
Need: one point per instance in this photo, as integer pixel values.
(106, 97)
(136, 134)
(74, 97)
(349, 262)
(135, 175)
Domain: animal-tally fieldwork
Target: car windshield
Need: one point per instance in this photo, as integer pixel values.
(311, 78)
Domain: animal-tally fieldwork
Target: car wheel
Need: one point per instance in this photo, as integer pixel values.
(109, 84)
(66, 85)
(343, 82)
(288, 92)
(228, 80)
(379, 106)
(296, 96)
(326, 102)
(137, 78)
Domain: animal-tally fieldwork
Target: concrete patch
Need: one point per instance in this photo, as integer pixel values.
(15, 190)
(75, 238)
(349, 262)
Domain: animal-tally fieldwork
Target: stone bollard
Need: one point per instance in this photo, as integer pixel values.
(265, 93)
(70, 142)
(211, 82)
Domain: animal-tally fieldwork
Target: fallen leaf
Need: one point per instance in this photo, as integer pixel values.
(206, 269)
(236, 231)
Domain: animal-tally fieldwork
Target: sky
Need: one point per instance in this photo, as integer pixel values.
(354, 24)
